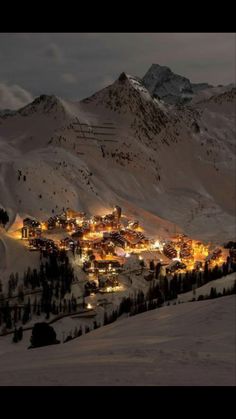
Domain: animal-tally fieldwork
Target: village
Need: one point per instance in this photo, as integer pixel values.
(89, 265)
(103, 245)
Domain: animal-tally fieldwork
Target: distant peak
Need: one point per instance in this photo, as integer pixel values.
(160, 72)
(42, 103)
(123, 77)
(158, 66)
(46, 98)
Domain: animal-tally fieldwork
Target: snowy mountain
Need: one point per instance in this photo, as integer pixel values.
(185, 344)
(172, 88)
(171, 166)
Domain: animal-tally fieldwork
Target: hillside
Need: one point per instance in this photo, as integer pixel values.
(184, 344)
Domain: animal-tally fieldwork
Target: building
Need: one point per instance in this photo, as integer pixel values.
(31, 228)
(106, 266)
(71, 214)
(117, 213)
(25, 233)
(169, 251)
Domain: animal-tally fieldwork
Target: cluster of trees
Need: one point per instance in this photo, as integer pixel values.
(137, 304)
(215, 294)
(56, 271)
(43, 335)
(4, 217)
(181, 283)
(77, 333)
(11, 315)
(12, 283)
(155, 269)
(230, 245)
(168, 290)
(54, 278)
(6, 315)
(18, 335)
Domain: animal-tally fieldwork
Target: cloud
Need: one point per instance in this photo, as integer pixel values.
(52, 61)
(69, 78)
(53, 52)
(14, 96)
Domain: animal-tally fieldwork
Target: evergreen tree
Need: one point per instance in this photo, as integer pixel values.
(75, 332)
(20, 333)
(206, 273)
(158, 270)
(15, 336)
(213, 293)
(87, 329)
(4, 218)
(42, 335)
(9, 322)
(35, 306)
(152, 265)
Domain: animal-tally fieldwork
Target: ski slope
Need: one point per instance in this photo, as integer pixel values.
(189, 344)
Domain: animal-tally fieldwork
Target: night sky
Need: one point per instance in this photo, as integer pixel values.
(76, 65)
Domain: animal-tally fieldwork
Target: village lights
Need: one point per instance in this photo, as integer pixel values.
(105, 243)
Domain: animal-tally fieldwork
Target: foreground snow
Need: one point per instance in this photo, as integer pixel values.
(185, 344)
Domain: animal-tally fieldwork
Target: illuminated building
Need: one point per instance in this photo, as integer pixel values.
(25, 233)
(117, 213)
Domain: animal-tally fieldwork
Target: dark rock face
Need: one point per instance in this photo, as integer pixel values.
(122, 77)
(170, 87)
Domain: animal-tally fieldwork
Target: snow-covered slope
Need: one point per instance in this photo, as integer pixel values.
(226, 282)
(168, 166)
(184, 344)
(170, 87)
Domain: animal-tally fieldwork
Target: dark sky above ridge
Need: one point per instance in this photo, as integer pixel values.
(76, 65)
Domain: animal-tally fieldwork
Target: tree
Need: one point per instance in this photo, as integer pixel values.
(206, 273)
(15, 336)
(43, 335)
(75, 332)
(152, 265)
(87, 329)
(9, 322)
(4, 218)
(142, 264)
(213, 293)
(158, 270)
(35, 306)
(20, 333)
(25, 314)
